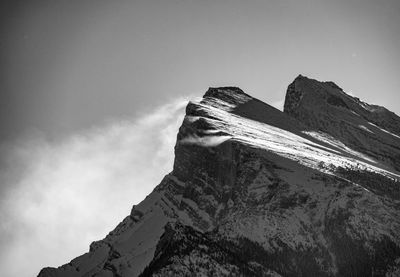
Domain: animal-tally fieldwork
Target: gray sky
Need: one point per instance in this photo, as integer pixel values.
(68, 65)
(88, 88)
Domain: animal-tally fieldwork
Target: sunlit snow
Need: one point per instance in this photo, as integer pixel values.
(282, 142)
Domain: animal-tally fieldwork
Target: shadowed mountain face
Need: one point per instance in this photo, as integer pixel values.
(312, 191)
(323, 106)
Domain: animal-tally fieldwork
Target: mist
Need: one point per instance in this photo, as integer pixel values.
(60, 196)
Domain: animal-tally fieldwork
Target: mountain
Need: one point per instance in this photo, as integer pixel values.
(311, 191)
(369, 129)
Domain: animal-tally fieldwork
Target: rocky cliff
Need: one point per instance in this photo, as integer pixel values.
(325, 107)
(254, 191)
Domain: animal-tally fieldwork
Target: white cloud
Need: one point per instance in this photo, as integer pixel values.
(62, 196)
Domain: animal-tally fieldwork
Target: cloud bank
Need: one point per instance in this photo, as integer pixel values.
(58, 197)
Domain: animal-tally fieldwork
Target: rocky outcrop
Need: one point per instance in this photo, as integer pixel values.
(325, 107)
(258, 192)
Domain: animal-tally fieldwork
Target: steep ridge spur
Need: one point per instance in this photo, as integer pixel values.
(324, 106)
(258, 192)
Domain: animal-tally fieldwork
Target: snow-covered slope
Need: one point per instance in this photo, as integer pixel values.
(257, 192)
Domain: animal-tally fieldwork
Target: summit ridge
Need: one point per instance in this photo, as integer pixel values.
(369, 129)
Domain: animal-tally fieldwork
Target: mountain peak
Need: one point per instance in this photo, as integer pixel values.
(258, 192)
(324, 106)
(230, 95)
(300, 76)
(303, 78)
(215, 91)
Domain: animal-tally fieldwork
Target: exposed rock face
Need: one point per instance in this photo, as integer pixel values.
(258, 192)
(323, 106)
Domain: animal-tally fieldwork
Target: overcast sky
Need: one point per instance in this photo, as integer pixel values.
(84, 84)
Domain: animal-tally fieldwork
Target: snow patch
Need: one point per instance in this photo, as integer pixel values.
(383, 130)
(362, 127)
(284, 143)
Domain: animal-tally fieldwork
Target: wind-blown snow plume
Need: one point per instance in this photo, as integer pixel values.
(206, 141)
(58, 188)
